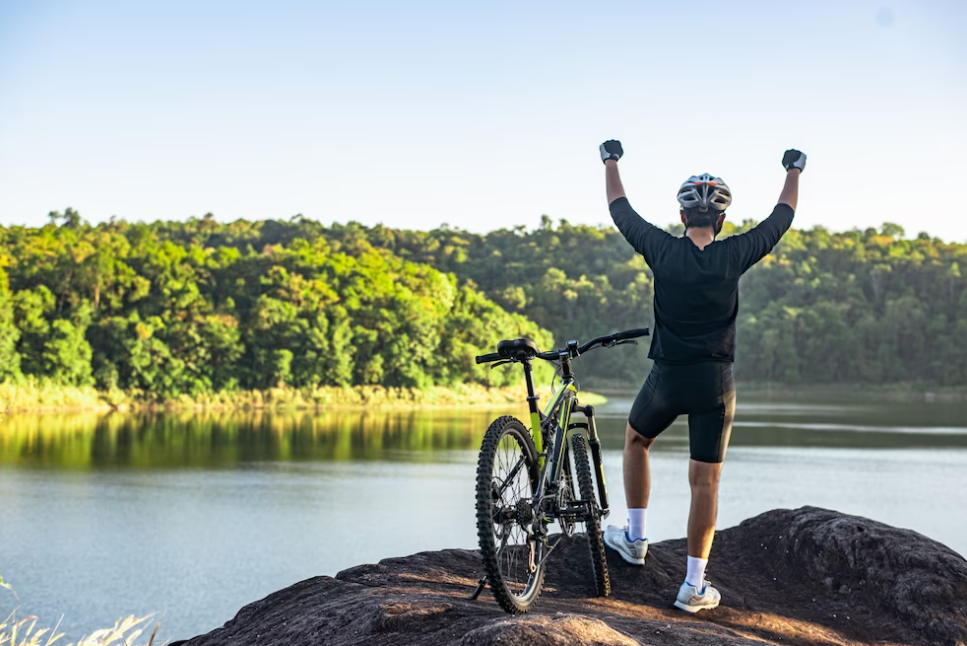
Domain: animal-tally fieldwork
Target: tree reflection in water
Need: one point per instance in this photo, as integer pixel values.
(187, 439)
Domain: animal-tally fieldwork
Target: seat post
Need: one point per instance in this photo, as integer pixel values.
(529, 379)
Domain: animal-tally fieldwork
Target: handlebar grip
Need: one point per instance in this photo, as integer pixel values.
(493, 356)
(631, 334)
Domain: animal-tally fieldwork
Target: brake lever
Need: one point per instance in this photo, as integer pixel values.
(500, 363)
(632, 341)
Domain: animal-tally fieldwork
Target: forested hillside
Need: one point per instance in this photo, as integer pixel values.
(187, 307)
(869, 306)
(164, 310)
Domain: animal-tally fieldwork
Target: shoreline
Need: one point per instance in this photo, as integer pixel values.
(901, 392)
(33, 397)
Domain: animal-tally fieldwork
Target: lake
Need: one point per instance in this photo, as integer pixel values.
(192, 515)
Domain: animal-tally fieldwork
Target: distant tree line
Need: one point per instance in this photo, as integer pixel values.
(186, 307)
(861, 306)
(168, 309)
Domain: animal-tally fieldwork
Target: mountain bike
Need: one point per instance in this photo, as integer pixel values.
(526, 479)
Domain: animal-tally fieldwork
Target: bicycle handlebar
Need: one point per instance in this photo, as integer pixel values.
(601, 340)
(556, 354)
(630, 334)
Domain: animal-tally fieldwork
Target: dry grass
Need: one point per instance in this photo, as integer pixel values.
(30, 393)
(24, 631)
(329, 396)
(40, 395)
(125, 632)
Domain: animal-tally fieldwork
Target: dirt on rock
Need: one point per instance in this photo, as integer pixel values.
(805, 576)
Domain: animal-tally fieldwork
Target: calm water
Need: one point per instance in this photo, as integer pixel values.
(194, 516)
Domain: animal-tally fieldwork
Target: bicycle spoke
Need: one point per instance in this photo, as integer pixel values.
(510, 476)
(506, 491)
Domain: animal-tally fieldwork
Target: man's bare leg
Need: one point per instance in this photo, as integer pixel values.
(637, 475)
(631, 541)
(704, 480)
(695, 594)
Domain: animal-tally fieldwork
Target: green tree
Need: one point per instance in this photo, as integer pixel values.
(171, 308)
(67, 355)
(9, 334)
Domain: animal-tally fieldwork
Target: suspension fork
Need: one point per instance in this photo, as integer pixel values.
(588, 412)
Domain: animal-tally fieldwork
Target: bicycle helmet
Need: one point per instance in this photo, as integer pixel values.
(705, 192)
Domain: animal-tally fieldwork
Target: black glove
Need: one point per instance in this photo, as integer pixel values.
(611, 149)
(794, 159)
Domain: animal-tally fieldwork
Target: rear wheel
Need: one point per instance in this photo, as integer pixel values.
(592, 519)
(512, 551)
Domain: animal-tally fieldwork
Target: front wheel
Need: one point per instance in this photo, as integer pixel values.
(511, 543)
(592, 521)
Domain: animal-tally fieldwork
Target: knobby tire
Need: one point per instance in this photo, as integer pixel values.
(592, 521)
(501, 428)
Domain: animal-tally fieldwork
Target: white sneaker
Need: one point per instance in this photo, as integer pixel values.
(632, 551)
(690, 599)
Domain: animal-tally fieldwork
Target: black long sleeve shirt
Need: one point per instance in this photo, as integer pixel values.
(697, 291)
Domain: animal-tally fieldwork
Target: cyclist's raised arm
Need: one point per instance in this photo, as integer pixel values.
(646, 238)
(611, 152)
(794, 163)
(754, 245)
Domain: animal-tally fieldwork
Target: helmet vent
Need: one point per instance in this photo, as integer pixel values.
(705, 192)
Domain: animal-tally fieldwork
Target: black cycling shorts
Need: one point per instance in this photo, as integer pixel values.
(703, 391)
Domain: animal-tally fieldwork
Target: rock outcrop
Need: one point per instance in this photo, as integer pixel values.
(805, 576)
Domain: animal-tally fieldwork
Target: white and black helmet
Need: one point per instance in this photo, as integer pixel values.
(705, 192)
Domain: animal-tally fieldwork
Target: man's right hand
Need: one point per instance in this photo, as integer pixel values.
(794, 159)
(611, 149)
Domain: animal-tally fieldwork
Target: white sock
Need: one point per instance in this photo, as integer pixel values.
(695, 576)
(638, 523)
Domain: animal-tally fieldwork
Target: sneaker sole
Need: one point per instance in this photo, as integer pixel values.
(694, 609)
(628, 559)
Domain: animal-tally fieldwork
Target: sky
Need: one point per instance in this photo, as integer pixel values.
(480, 115)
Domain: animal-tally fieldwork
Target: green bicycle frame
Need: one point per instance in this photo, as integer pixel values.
(557, 416)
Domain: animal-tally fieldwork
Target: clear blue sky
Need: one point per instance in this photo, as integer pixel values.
(480, 115)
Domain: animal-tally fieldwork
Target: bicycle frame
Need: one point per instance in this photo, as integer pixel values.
(556, 416)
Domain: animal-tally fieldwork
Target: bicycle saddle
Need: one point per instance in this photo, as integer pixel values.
(517, 348)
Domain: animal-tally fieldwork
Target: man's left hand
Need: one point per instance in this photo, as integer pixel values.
(611, 149)
(794, 159)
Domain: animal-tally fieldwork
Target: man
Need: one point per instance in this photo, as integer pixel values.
(693, 347)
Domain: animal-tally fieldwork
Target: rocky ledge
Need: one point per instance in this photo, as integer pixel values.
(805, 576)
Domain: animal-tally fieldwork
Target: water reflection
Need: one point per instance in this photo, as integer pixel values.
(862, 425)
(217, 439)
(190, 501)
(82, 441)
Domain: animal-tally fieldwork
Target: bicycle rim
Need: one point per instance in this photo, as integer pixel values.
(506, 481)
